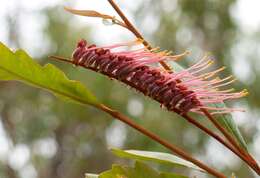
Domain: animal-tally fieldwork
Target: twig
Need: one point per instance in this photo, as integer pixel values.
(252, 163)
(188, 118)
(135, 31)
(156, 138)
(218, 126)
(117, 115)
(237, 150)
(214, 135)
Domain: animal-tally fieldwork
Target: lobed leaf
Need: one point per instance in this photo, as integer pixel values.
(21, 67)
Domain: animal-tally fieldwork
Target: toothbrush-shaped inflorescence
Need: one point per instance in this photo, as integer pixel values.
(183, 91)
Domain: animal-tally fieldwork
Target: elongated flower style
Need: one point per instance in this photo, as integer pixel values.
(188, 90)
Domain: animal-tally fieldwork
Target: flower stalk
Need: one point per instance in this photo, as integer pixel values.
(186, 90)
(193, 93)
(135, 31)
(178, 151)
(132, 69)
(158, 139)
(244, 155)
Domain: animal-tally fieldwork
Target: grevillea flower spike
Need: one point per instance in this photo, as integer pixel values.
(188, 90)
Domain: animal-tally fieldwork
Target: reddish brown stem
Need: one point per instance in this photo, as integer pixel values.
(212, 134)
(134, 30)
(117, 115)
(236, 149)
(222, 130)
(163, 142)
(251, 162)
(246, 158)
(187, 117)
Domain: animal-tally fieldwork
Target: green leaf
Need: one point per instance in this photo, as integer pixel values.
(88, 175)
(225, 120)
(21, 67)
(140, 170)
(171, 175)
(157, 157)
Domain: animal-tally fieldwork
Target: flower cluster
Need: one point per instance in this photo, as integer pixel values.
(188, 90)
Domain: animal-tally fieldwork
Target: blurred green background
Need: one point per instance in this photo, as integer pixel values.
(43, 137)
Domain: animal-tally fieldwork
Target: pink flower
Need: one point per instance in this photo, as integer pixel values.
(188, 90)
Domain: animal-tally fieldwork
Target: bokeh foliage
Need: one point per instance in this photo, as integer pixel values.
(80, 134)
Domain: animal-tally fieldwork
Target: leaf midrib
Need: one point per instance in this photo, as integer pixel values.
(45, 87)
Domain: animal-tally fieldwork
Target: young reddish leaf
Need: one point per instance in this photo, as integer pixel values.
(88, 13)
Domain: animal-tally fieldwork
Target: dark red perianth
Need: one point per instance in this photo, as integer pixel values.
(151, 82)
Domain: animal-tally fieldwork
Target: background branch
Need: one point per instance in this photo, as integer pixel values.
(135, 31)
(117, 115)
(163, 142)
(236, 149)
